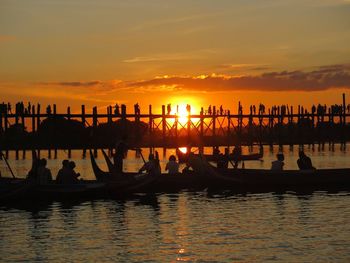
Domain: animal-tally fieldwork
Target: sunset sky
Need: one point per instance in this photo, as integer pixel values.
(157, 52)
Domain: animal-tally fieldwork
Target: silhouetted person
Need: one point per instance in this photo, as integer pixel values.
(116, 109)
(172, 166)
(216, 150)
(222, 161)
(63, 173)
(188, 108)
(278, 164)
(121, 149)
(209, 110)
(44, 174)
(137, 109)
(150, 167)
(236, 154)
(304, 162)
(123, 109)
(48, 109)
(157, 163)
(33, 173)
(74, 174)
(168, 107)
(9, 108)
(29, 107)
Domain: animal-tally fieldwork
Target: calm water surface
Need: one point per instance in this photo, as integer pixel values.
(185, 226)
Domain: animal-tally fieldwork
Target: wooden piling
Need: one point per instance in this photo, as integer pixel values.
(1, 123)
(214, 121)
(163, 123)
(33, 119)
(94, 126)
(150, 121)
(83, 120)
(38, 116)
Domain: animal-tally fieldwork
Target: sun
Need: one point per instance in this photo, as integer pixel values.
(182, 109)
(182, 113)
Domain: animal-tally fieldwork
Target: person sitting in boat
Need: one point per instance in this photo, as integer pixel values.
(278, 164)
(157, 162)
(44, 173)
(67, 175)
(216, 151)
(172, 166)
(304, 162)
(63, 172)
(74, 174)
(151, 166)
(120, 151)
(33, 173)
(236, 154)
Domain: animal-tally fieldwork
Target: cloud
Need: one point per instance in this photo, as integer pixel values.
(198, 54)
(238, 67)
(79, 83)
(323, 78)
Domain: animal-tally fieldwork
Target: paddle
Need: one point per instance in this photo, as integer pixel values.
(140, 151)
(8, 165)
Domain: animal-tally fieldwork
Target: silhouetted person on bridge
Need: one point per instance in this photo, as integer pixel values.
(137, 109)
(188, 108)
(48, 109)
(9, 108)
(168, 108)
(116, 109)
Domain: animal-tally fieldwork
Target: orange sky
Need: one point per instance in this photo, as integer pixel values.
(158, 52)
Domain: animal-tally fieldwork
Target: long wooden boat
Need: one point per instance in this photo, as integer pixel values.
(263, 179)
(120, 183)
(14, 189)
(183, 157)
(134, 182)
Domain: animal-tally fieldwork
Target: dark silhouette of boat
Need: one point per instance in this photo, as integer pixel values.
(183, 157)
(14, 189)
(264, 179)
(130, 182)
(124, 183)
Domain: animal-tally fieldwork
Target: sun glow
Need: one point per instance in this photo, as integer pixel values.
(182, 113)
(183, 149)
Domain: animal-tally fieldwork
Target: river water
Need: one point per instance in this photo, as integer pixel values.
(184, 226)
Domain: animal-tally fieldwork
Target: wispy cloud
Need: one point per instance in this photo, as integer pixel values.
(198, 54)
(239, 67)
